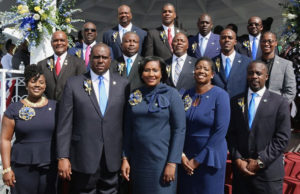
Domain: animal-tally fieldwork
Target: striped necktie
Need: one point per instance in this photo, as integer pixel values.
(177, 71)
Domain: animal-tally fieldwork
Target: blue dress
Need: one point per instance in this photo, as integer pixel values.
(207, 125)
(154, 135)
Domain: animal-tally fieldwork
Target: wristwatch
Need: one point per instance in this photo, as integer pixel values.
(260, 163)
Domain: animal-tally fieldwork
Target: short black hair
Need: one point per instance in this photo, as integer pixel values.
(259, 61)
(210, 62)
(32, 71)
(163, 67)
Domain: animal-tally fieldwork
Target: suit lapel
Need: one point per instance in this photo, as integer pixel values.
(64, 67)
(209, 42)
(235, 66)
(222, 70)
(165, 39)
(198, 53)
(185, 69)
(53, 71)
(92, 96)
(112, 85)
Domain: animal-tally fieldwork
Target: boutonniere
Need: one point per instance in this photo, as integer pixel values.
(246, 44)
(218, 64)
(78, 53)
(135, 98)
(163, 36)
(26, 113)
(87, 84)
(121, 68)
(241, 103)
(115, 35)
(187, 101)
(50, 64)
(213, 43)
(168, 69)
(194, 47)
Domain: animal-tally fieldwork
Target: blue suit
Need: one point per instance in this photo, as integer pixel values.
(237, 80)
(212, 50)
(115, 42)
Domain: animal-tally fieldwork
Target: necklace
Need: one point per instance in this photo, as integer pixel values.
(38, 104)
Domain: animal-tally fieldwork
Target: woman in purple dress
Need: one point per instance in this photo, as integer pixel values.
(205, 150)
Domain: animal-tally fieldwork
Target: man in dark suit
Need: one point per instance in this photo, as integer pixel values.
(249, 44)
(60, 66)
(159, 41)
(128, 65)
(258, 134)
(113, 37)
(205, 43)
(83, 50)
(281, 72)
(90, 125)
(180, 66)
(231, 67)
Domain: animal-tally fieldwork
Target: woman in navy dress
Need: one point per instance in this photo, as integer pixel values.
(29, 166)
(205, 149)
(154, 133)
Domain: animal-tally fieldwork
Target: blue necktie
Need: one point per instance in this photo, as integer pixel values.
(102, 95)
(251, 110)
(128, 67)
(202, 46)
(254, 49)
(227, 67)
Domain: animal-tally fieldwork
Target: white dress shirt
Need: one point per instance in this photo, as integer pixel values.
(95, 81)
(132, 59)
(174, 62)
(84, 47)
(127, 29)
(257, 100)
(6, 61)
(172, 30)
(231, 58)
(205, 41)
(256, 40)
(62, 59)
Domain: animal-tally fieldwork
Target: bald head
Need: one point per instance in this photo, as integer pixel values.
(130, 44)
(205, 24)
(124, 15)
(59, 42)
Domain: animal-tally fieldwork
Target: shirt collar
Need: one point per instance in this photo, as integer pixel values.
(132, 58)
(94, 76)
(166, 28)
(183, 57)
(231, 57)
(127, 28)
(252, 37)
(62, 57)
(260, 92)
(205, 37)
(84, 46)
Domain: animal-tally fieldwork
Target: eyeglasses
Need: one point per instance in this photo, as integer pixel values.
(89, 29)
(255, 24)
(267, 41)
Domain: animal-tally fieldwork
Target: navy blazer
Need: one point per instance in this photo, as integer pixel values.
(212, 50)
(237, 80)
(268, 137)
(186, 78)
(83, 133)
(115, 42)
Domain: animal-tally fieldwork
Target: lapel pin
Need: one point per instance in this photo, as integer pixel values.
(114, 82)
(212, 43)
(239, 61)
(50, 109)
(207, 96)
(190, 62)
(265, 100)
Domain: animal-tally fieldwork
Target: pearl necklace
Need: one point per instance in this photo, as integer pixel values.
(38, 104)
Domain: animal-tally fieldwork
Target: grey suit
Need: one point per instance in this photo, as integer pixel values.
(55, 84)
(156, 43)
(186, 78)
(282, 78)
(134, 76)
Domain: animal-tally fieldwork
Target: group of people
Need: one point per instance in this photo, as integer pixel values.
(152, 112)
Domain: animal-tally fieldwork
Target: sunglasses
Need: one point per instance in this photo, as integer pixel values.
(89, 29)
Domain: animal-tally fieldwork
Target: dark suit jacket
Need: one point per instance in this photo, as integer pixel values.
(186, 78)
(83, 133)
(243, 47)
(134, 76)
(115, 44)
(267, 138)
(212, 50)
(156, 44)
(55, 84)
(237, 80)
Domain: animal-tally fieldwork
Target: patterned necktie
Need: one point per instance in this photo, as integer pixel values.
(251, 110)
(177, 71)
(128, 67)
(170, 37)
(87, 55)
(201, 45)
(57, 66)
(227, 67)
(254, 49)
(102, 95)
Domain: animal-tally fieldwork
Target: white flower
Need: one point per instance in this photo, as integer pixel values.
(40, 27)
(41, 11)
(68, 30)
(291, 16)
(36, 17)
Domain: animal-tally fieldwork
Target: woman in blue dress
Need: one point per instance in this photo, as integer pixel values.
(29, 166)
(205, 150)
(154, 133)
